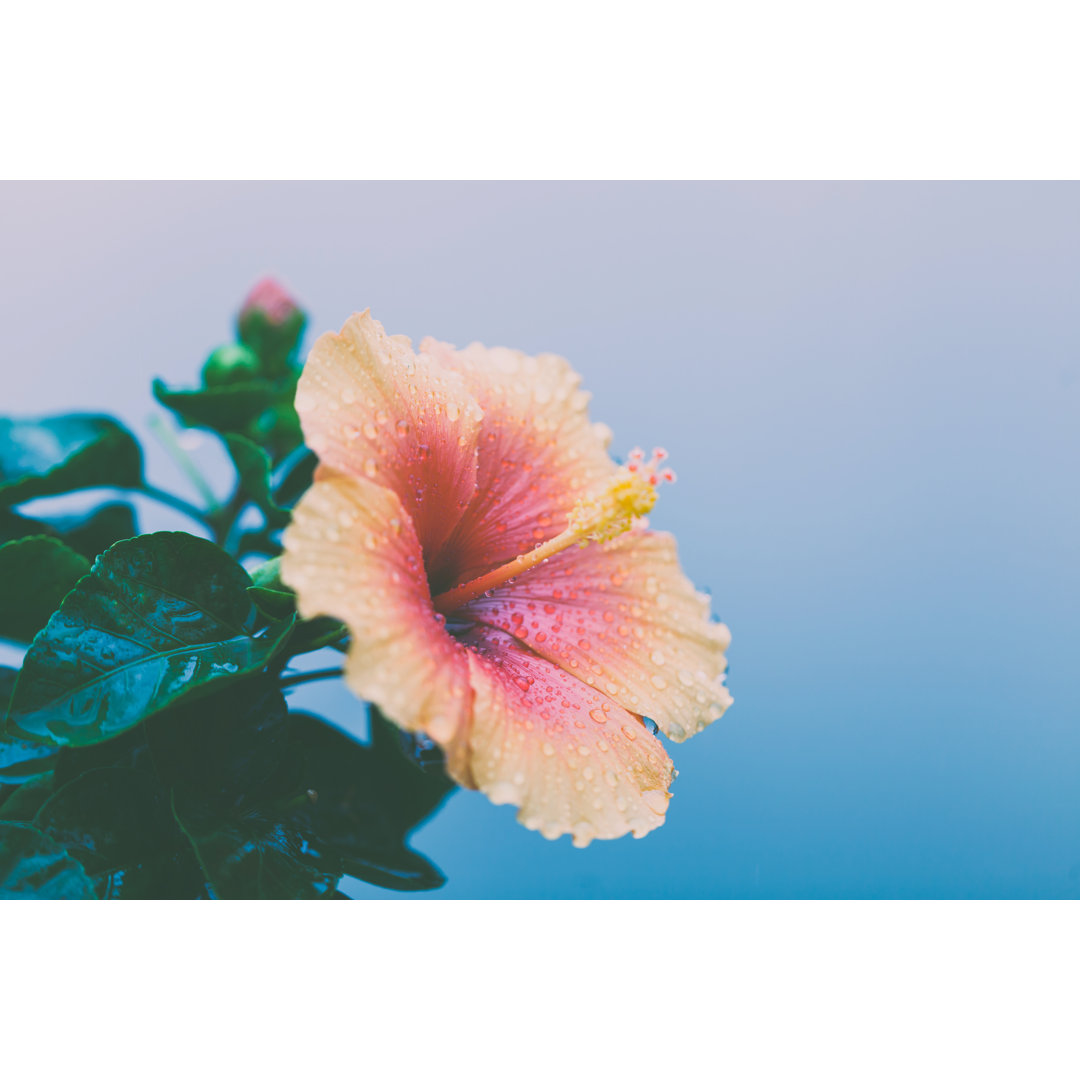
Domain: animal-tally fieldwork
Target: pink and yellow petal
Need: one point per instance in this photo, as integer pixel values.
(352, 553)
(623, 618)
(538, 454)
(570, 759)
(371, 408)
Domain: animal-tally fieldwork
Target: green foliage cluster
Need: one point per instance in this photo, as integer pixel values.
(146, 748)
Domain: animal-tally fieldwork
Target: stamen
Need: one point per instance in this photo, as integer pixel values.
(630, 495)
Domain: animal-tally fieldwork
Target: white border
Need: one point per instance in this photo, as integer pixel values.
(571, 88)
(542, 989)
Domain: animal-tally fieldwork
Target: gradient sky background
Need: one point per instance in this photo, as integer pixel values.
(870, 393)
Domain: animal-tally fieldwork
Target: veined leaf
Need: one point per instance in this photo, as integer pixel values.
(160, 617)
(36, 573)
(58, 454)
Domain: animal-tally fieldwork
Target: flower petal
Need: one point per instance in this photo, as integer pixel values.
(538, 454)
(351, 552)
(371, 408)
(625, 619)
(569, 758)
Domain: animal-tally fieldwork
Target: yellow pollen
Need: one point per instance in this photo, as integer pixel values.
(628, 497)
(630, 494)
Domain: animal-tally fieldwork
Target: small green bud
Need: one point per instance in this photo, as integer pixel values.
(230, 364)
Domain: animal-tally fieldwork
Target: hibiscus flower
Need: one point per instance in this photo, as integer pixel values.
(502, 590)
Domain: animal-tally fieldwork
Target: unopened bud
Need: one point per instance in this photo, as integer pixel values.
(271, 323)
(230, 364)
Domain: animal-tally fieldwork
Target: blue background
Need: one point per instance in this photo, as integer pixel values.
(870, 395)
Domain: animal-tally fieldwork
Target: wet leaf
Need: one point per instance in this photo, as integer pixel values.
(36, 573)
(32, 866)
(160, 617)
(58, 454)
(255, 856)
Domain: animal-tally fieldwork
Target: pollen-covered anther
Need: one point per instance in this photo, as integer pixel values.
(630, 495)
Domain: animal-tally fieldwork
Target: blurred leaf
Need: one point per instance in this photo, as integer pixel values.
(34, 867)
(260, 409)
(91, 535)
(159, 617)
(88, 534)
(221, 408)
(20, 760)
(253, 466)
(36, 573)
(294, 476)
(58, 454)
(274, 603)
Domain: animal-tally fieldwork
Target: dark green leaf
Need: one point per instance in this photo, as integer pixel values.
(273, 603)
(253, 467)
(366, 800)
(294, 476)
(65, 453)
(254, 856)
(88, 534)
(227, 748)
(20, 760)
(118, 823)
(220, 408)
(36, 573)
(34, 867)
(160, 617)
(23, 802)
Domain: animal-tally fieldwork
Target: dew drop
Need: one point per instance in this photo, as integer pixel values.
(548, 749)
(598, 716)
(659, 682)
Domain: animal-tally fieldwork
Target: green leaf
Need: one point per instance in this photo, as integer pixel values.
(59, 454)
(367, 799)
(88, 534)
(91, 535)
(294, 476)
(20, 760)
(35, 575)
(256, 857)
(160, 617)
(253, 466)
(117, 822)
(32, 866)
(221, 408)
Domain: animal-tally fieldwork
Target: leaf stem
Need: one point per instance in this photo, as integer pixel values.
(169, 499)
(311, 676)
(164, 435)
